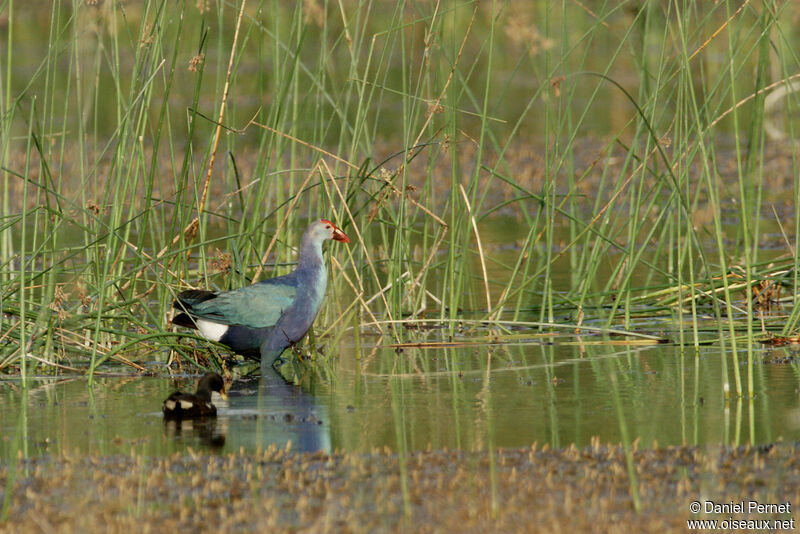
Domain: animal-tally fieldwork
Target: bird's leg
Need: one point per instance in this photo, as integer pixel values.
(273, 355)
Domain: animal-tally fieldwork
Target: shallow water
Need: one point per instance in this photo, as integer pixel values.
(473, 397)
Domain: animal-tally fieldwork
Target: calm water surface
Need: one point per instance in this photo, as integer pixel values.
(467, 397)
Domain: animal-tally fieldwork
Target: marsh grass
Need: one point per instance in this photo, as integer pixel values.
(155, 146)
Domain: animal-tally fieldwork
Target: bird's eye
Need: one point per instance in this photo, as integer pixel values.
(328, 227)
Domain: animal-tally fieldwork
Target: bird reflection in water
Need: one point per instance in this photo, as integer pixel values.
(207, 431)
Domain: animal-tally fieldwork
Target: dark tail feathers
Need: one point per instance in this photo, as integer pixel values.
(184, 303)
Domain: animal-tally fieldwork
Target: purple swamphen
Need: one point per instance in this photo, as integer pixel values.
(263, 319)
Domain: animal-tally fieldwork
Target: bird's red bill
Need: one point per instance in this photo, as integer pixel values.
(338, 235)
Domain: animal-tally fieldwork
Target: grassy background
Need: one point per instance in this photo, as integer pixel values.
(525, 163)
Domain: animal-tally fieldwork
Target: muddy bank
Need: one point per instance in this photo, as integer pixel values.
(513, 490)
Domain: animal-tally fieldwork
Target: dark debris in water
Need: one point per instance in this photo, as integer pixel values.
(778, 358)
(542, 489)
(781, 341)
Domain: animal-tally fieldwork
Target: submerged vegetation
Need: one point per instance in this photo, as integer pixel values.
(512, 164)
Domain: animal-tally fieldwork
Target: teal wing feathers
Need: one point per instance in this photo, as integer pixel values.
(255, 306)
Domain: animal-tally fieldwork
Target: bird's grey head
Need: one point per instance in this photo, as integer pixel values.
(324, 229)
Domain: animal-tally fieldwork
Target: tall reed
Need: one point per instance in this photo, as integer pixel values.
(601, 151)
